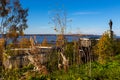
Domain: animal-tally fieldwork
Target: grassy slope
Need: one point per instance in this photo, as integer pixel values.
(108, 71)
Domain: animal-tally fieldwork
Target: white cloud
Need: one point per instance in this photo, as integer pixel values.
(85, 13)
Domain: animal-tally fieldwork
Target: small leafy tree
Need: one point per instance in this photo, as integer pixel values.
(4, 11)
(105, 48)
(13, 18)
(17, 20)
(24, 43)
(60, 40)
(45, 42)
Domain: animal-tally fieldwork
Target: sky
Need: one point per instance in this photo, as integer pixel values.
(87, 16)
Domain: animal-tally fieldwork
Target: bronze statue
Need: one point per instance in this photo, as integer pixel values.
(110, 24)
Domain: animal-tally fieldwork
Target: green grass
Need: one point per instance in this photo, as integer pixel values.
(108, 71)
(97, 71)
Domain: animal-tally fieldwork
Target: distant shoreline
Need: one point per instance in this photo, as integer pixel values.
(59, 34)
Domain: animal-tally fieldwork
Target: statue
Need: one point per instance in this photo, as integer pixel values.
(110, 24)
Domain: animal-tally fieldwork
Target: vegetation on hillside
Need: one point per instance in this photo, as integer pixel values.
(64, 61)
(106, 67)
(109, 71)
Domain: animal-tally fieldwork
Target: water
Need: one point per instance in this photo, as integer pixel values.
(50, 38)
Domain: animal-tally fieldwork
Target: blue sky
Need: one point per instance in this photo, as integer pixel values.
(88, 16)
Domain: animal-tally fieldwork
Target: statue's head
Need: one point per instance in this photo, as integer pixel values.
(110, 24)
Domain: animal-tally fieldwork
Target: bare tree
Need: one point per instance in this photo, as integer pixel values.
(59, 20)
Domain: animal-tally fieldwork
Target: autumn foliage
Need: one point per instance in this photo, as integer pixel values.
(45, 42)
(105, 48)
(2, 42)
(60, 40)
(13, 18)
(24, 43)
